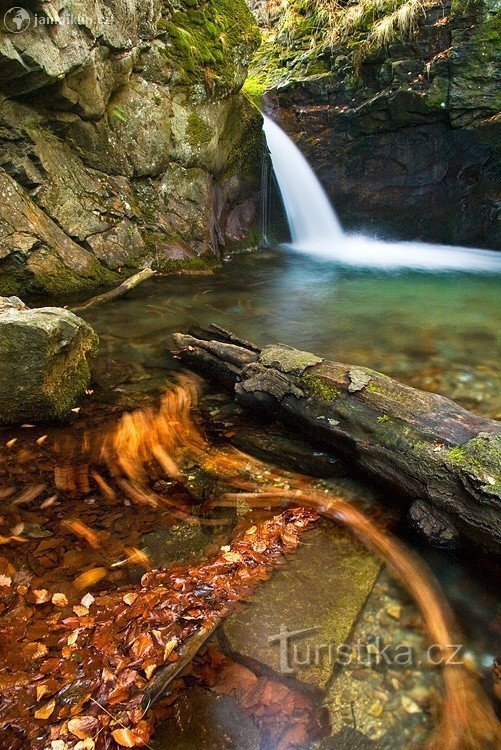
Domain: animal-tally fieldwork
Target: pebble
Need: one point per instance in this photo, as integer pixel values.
(395, 611)
(409, 705)
(376, 709)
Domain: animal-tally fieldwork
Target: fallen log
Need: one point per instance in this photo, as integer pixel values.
(119, 291)
(445, 460)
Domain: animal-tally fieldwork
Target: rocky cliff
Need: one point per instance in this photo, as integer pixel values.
(396, 104)
(124, 139)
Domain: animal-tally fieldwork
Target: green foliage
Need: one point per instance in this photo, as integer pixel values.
(207, 41)
(303, 31)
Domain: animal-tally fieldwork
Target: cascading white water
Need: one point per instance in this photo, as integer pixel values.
(315, 228)
(309, 213)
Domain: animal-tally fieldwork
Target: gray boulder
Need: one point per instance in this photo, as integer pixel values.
(44, 361)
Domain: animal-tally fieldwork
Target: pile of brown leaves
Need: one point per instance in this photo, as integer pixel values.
(85, 668)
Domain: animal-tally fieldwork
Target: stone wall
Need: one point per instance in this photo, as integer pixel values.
(124, 140)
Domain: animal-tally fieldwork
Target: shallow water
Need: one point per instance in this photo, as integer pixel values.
(434, 331)
(438, 331)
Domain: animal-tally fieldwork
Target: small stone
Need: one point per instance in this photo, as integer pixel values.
(395, 611)
(410, 706)
(376, 709)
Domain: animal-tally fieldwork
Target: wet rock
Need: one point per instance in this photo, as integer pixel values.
(408, 146)
(44, 361)
(385, 690)
(207, 722)
(317, 598)
(436, 528)
(130, 159)
(187, 540)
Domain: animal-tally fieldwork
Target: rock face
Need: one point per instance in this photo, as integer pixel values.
(44, 364)
(124, 140)
(407, 145)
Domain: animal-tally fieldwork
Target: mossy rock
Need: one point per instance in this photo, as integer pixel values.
(44, 362)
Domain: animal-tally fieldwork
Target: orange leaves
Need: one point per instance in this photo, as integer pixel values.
(83, 726)
(46, 710)
(82, 530)
(128, 738)
(90, 577)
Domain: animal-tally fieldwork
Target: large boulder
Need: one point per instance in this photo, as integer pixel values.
(44, 361)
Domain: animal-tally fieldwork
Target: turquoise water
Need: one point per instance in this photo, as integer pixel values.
(438, 332)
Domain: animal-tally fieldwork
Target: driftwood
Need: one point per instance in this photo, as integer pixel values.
(119, 291)
(444, 460)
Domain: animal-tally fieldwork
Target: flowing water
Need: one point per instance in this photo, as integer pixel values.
(316, 230)
(435, 331)
(388, 306)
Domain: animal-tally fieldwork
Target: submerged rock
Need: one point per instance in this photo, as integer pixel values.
(44, 361)
(208, 722)
(299, 619)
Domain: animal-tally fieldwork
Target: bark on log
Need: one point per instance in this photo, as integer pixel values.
(446, 460)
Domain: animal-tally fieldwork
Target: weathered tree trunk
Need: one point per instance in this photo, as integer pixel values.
(446, 460)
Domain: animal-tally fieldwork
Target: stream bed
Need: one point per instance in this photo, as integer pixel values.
(439, 332)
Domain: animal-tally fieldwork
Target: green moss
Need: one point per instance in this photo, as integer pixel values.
(51, 275)
(480, 456)
(11, 285)
(437, 96)
(197, 131)
(457, 453)
(209, 40)
(320, 387)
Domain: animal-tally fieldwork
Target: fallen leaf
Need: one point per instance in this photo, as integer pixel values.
(126, 738)
(41, 691)
(59, 600)
(87, 600)
(129, 599)
(83, 726)
(87, 744)
(232, 557)
(42, 596)
(5, 580)
(169, 647)
(80, 610)
(45, 711)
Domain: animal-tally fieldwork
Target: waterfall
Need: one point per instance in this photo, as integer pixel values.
(309, 213)
(315, 228)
